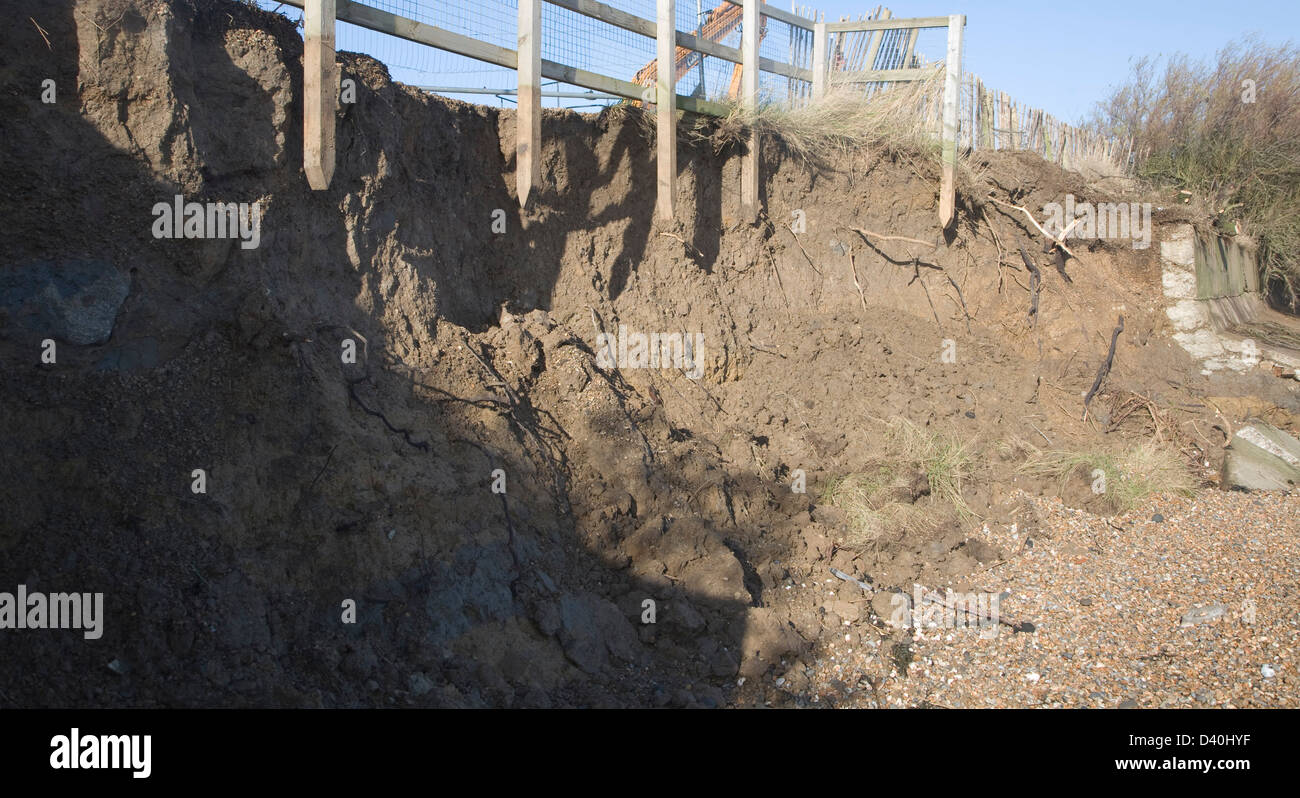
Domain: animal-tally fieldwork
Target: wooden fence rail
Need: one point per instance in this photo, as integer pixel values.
(864, 36)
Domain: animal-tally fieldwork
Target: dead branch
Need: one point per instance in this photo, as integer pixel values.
(1035, 223)
(1060, 266)
(1105, 367)
(1035, 283)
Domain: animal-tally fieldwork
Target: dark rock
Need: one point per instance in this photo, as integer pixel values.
(591, 629)
(73, 300)
(723, 663)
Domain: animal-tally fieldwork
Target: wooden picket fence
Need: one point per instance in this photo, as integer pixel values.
(993, 121)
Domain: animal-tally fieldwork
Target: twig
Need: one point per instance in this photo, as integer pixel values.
(865, 233)
(1040, 432)
(43, 33)
(962, 298)
(853, 266)
(804, 251)
(686, 244)
(321, 473)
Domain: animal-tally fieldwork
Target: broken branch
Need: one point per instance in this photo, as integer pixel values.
(1035, 282)
(1105, 367)
(1035, 223)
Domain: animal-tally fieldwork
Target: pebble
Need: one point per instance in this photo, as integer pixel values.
(1140, 582)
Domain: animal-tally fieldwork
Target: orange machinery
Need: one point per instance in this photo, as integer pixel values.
(720, 22)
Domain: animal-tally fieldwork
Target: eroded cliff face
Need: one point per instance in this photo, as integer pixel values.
(497, 502)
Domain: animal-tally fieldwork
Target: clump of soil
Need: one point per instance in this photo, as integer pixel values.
(505, 508)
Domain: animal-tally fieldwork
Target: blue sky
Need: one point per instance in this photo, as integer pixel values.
(1048, 54)
(1062, 57)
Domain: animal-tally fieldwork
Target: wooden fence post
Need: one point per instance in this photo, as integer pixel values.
(951, 101)
(819, 61)
(986, 124)
(749, 100)
(528, 146)
(320, 90)
(666, 105)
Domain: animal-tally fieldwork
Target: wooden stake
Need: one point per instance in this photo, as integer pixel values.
(951, 99)
(528, 164)
(749, 99)
(320, 90)
(666, 103)
(819, 61)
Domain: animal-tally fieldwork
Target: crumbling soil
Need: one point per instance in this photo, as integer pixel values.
(477, 361)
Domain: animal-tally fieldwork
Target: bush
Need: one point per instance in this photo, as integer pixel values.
(1195, 131)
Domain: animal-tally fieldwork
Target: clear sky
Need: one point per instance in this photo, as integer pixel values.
(1062, 57)
(1054, 55)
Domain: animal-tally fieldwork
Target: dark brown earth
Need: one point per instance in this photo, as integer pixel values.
(477, 351)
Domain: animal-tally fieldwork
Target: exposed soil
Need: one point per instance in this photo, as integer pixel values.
(477, 351)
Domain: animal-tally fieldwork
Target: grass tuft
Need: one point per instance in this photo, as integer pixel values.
(902, 117)
(887, 497)
(1131, 476)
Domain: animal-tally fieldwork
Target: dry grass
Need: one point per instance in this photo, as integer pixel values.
(878, 502)
(846, 118)
(1130, 475)
(945, 459)
(888, 497)
(634, 112)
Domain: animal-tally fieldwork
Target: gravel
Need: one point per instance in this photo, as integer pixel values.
(1109, 599)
